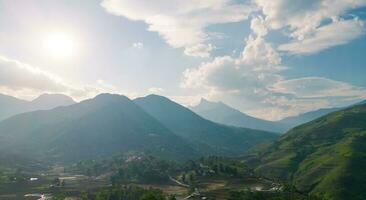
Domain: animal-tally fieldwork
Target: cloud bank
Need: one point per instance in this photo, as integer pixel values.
(304, 23)
(181, 23)
(326, 37)
(253, 82)
(26, 81)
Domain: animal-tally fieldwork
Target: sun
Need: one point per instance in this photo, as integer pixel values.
(60, 45)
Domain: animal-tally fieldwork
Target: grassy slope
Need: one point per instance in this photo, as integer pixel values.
(327, 155)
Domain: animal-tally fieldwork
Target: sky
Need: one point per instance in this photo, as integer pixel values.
(269, 59)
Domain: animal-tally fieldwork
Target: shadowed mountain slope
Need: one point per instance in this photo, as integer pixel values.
(102, 126)
(208, 137)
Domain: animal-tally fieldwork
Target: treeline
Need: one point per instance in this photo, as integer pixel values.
(218, 166)
(142, 168)
(3, 177)
(96, 167)
(16, 175)
(149, 169)
(146, 169)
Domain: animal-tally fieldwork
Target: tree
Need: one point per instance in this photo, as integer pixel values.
(152, 196)
(172, 197)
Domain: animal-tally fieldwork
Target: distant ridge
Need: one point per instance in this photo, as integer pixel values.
(224, 114)
(10, 106)
(311, 115)
(306, 117)
(208, 137)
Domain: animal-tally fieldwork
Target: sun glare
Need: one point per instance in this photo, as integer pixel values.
(60, 45)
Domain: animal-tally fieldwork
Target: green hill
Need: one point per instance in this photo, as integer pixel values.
(102, 126)
(327, 155)
(208, 137)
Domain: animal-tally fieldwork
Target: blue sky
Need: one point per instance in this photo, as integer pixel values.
(270, 59)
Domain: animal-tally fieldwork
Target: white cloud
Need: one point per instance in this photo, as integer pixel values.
(26, 81)
(258, 62)
(200, 50)
(258, 26)
(242, 82)
(138, 45)
(181, 23)
(281, 106)
(304, 22)
(294, 96)
(318, 87)
(336, 33)
(16, 75)
(252, 82)
(156, 90)
(303, 17)
(186, 100)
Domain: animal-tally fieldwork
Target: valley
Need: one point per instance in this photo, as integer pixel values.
(110, 147)
(65, 181)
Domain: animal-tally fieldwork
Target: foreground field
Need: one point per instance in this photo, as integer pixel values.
(74, 185)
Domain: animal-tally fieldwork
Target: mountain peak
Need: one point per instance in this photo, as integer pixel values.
(10, 106)
(53, 97)
(203, 101)
(209, 105)
(155, 96)
(108, 98)
(7, 97)
(110, 121)
(221, 113)
(226, 140)
(48, 101)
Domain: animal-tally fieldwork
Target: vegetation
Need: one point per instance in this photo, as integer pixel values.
(127, 193)
(326, 156)
(3, 177)
(215, 166)
(144, 170)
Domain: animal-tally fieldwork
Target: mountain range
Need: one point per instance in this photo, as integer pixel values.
(302, 118)
(110, 124)
(10, 106)
(221, 113)
(101, 126)
(326, 155)
(208, 137)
